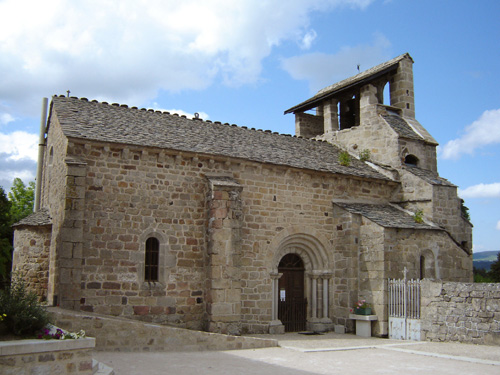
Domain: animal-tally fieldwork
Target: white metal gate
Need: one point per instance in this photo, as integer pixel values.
(404, 309)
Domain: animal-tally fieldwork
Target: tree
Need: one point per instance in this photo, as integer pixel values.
(495, 270)
(22, 199)
(465, 210)
(482, 276)
(6, 233)
(18, 205)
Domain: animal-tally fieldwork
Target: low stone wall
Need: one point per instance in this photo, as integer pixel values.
(121, 334)
(464, 312)
(46, 356)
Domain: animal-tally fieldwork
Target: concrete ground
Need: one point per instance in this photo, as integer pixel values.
(317, 354)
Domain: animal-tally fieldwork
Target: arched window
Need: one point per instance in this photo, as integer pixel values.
(51, 156)
(411, 160)
(386, 94)
(152, 259)
(422, 267)
(427, 265)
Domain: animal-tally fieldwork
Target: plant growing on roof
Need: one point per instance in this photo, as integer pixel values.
(365, 155)
(344, 158)
(419, 216)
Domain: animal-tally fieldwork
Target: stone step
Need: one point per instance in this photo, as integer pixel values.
(99, 368)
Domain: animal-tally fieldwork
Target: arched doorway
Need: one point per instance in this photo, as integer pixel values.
(303, 249)
(292, 305)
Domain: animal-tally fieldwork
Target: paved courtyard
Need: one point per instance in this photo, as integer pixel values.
(323, 354)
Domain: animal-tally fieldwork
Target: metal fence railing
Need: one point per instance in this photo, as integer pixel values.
(404, 298)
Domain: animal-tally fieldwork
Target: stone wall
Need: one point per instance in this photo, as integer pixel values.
(308, 125)
(224, 263)
(346, 262)
(130, 192)
(416, 194)
(439, 203)
(218, 247)
(372, 134)
(119, 334)
(446, 261)
(401, 88)
(53, 196)
(54, 168)
(373, 270)
(448, 213)
(46, 356)
(368, 254)
(31, 257)
(464, 312)
(425, 152)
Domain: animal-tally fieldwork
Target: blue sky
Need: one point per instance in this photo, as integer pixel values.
(246, 61)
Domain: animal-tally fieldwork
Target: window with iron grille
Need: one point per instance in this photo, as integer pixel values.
(152, 260)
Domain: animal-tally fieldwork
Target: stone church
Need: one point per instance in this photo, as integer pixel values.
(211, 226)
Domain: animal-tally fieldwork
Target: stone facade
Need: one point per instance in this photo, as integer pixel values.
(461, 312)
(375, 249)
(114, 334)
(47, 357)
(31, 260)
(225, 204)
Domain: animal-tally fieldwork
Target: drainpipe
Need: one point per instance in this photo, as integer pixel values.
(41, 151)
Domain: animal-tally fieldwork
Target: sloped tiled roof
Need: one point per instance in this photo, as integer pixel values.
(349, 82)
(39, 218)
(80, 118)
(385, 215)
(401, 127)
(429, 176)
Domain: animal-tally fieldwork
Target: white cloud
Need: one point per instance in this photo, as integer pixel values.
(128, 51)
(322, 69)
(18, 157)
(5, 118)
(19, 145)
(482, 132)
(481, 191)
(7, 176)
(308, 39)
(180, 112)
(498, 225)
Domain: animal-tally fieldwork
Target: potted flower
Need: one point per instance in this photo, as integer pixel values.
(362, 308)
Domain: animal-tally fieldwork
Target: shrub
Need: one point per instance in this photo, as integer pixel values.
(365, 155)
(419, 216)
(344, 158)
(23, 313)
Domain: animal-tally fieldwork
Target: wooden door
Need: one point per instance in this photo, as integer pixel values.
(292, 305)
